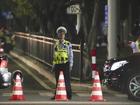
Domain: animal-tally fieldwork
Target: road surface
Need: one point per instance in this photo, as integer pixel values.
(36, 93)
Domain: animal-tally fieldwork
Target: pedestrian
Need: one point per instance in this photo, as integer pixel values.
(63, 60)
(132, 44)
(135, 45)
(8, 39)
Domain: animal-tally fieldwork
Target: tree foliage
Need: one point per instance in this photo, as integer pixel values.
(44, 16)
(23, 8)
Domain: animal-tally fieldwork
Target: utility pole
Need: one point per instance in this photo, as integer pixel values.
(78, 22)
(112, 28)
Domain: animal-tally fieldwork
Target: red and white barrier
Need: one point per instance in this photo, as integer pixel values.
(96, 94)
(17, 90)
(93, 65)
(61, 94)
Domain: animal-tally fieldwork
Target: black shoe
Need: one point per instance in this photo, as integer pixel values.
(69, 98)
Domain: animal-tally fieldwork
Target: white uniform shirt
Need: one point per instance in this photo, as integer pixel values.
(134, 47)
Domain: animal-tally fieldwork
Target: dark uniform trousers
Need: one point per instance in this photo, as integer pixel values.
(65, 68)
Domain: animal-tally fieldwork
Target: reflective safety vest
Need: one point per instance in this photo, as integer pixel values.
(8, 40)
(1, 34)
(61, 52)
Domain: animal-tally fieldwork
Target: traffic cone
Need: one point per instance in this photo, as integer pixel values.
(17, 89)
(96, 94)
(61, 94)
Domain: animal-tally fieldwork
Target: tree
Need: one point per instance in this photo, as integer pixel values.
(90, 31)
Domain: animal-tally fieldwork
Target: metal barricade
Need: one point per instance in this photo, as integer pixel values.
(41, 48)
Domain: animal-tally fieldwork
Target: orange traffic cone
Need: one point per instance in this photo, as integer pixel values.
(96, 94)
(61, 94)
(17, 90)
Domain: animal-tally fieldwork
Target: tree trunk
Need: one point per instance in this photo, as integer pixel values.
(90, 40)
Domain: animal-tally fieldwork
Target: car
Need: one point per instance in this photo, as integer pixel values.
(123, 74)
(5, 75)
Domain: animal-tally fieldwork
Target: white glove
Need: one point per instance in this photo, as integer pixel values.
(70, 66)
(53, 66)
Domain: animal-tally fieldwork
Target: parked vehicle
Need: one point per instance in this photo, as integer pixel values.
(6, 77)
(123, 74)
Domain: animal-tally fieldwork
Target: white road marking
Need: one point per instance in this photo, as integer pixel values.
(67, 103)
(83, 94)
(45, 94)
(6, 94)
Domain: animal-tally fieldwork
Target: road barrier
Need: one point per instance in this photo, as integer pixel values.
(96, 94)
(61, 94)
(17, 89)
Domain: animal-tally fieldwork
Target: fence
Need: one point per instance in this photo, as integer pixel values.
(41, 48)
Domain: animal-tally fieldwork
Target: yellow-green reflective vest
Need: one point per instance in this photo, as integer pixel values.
(8, 40)
(61, 52)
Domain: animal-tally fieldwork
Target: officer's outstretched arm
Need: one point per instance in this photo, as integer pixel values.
(70, 56)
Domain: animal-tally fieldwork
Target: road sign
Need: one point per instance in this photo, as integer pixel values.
(106, 14)
(7, 14)
(73, 9)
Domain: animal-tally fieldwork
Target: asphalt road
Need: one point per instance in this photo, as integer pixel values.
(36, 93)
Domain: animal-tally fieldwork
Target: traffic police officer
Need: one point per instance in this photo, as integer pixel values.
(135, 45)
(63, 59)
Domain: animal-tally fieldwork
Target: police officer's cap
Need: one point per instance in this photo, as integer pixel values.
(61, 29)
